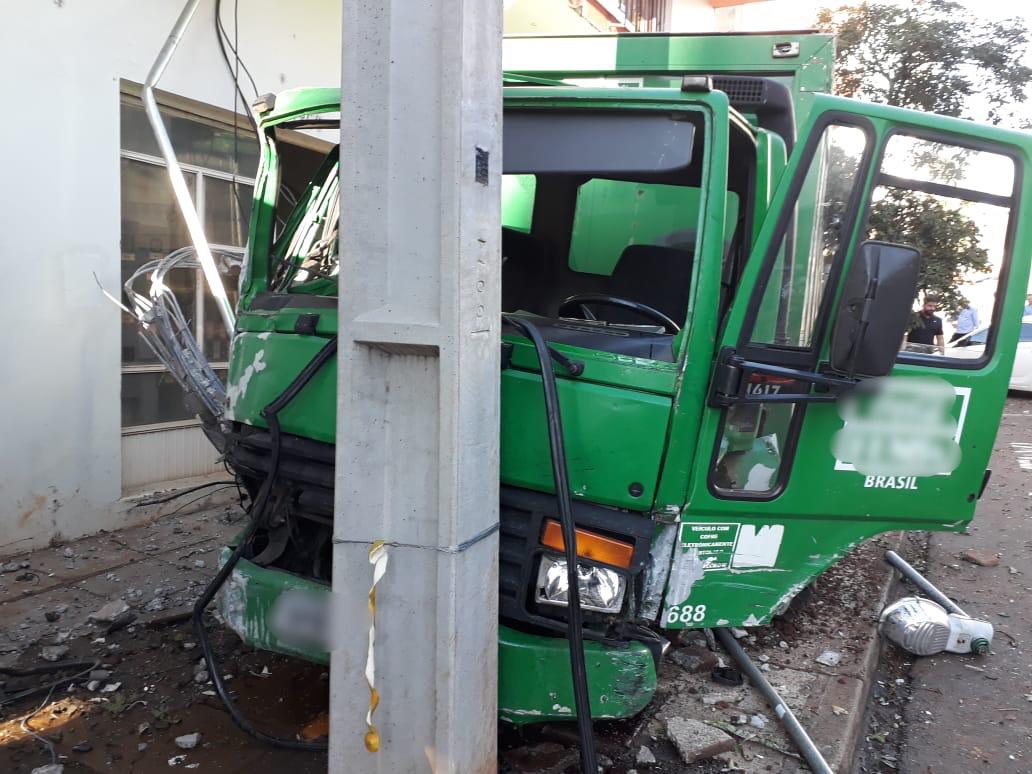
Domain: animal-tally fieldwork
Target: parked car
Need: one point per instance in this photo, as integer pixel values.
(973, 345)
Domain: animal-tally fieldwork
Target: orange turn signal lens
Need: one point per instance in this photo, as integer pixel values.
(590, 545)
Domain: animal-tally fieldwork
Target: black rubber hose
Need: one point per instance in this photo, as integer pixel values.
(257, 514)
(574, 622)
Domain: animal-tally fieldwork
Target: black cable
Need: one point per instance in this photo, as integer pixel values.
(257, 514)
(574, 622)
(179, 493)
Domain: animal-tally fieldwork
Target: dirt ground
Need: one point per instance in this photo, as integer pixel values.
(127, 717)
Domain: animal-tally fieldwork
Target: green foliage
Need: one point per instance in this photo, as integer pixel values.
(931, 55)
(948, 240)
(935, 56)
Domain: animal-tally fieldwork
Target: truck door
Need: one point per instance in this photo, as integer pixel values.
(794, 466)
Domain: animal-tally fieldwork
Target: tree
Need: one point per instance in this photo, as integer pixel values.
(949, 241)
(934, 56)
(930, 55)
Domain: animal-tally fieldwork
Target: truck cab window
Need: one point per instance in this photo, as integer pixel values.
(599, 238)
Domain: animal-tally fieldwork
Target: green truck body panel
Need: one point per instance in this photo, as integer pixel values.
(534, 680)
(535, 684)
(735, 557)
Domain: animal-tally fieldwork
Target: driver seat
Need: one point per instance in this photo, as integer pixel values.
(655, 275)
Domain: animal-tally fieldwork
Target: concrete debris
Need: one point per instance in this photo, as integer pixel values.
(692, 638)
(696, 741)
(100, 674)
(763, 658)
(739, 634)
(981, 557)
(110, 687)
(644, 756)
(758, 721)
(53, 652)
(120, 621)
(829, 658)
(93, 685)
(68, 553)
(188, 741)
(10, 567)
(694, 659)
(109, 612)
(61, 637)
(176, 760)
(839, 710)
(155, 605)
(740, 720)
(201, 677)
(50, 768)
(198, 563)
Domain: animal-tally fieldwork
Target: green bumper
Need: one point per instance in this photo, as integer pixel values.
(534, 681)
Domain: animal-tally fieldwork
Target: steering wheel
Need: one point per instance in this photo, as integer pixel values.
(582, 299)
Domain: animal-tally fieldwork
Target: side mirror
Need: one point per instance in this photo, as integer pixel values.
(875, 308)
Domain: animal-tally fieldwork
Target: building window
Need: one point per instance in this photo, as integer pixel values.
(219, 165)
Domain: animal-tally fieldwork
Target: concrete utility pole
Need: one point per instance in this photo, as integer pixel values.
(417, 403)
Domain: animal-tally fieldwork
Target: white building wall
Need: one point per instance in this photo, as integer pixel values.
(60, 466)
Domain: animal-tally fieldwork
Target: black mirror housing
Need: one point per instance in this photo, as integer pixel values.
(875, 308)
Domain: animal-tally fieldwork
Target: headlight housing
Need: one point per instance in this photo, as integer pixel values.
(601, 589)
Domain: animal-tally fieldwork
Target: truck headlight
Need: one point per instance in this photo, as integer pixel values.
(600, 589)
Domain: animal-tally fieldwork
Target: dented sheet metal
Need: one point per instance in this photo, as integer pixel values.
(742, 573)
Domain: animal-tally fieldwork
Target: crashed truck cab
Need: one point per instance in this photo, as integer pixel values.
(700, 247)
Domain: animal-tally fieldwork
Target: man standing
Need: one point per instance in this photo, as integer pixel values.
(927, 329)
(967, 322)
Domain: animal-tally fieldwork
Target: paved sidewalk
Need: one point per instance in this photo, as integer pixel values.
(968, 713)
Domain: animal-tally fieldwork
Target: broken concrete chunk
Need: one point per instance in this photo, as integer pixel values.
(50, 768)
(644, 756)
(93, 685)
(829, 658)
(68, 553)
(201, 677)
(110, 687)
(758, 721)
(694, 659)
(10, 567)
(696, 741)
(188, 741)
(110, 611)
(739, 634)
(53, 652)
(980, 556)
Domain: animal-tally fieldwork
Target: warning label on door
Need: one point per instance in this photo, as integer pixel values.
(721, 546)
(713, 543)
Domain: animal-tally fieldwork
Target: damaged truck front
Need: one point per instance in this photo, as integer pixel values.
(730, 303)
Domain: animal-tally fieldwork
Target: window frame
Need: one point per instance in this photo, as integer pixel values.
(807, 357)
(200, 284)
(970, 143)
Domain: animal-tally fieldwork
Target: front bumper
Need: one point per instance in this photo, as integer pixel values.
(534, 679)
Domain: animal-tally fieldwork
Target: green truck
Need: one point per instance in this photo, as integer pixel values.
(688, 222)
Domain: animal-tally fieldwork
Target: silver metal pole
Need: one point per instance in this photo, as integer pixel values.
(809, 750)
(901, 564)
(175, 173)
